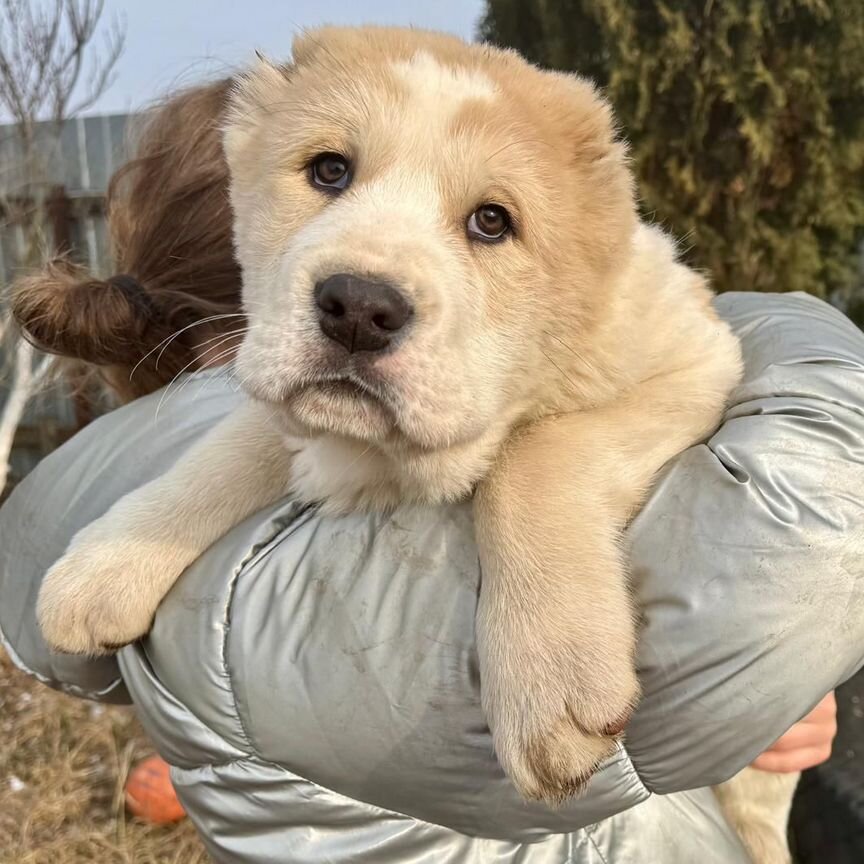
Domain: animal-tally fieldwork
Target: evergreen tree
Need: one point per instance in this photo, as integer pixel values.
(746, 119)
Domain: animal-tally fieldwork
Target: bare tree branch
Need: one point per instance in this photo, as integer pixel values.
(102, 74)
(50, 70)
(43, 48)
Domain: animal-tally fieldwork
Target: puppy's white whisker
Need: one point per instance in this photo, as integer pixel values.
(167, 341)
(189, 327)
(246, 379)
(190, 364)
(215, 361)
(228, 333)
(211, 363)
(222, 339)
(225, 371)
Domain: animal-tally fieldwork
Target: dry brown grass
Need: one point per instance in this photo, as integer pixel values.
(63, 763)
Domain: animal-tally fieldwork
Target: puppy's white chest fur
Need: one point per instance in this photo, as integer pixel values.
(343, 475)
(339, 474)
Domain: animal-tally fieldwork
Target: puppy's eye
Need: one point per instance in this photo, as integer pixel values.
(330, 171)
(489, 223)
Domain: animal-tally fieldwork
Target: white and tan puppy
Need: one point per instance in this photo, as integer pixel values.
(449, 292)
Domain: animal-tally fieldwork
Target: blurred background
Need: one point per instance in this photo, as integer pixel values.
(746, 120)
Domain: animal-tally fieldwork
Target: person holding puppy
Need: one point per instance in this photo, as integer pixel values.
(313, 681)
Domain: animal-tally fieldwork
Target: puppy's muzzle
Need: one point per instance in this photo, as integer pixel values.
(362, 314)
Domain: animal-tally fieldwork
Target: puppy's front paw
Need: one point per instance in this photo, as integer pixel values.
(553, 723)
(99, 596)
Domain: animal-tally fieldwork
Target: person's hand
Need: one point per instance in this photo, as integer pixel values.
(806, 744)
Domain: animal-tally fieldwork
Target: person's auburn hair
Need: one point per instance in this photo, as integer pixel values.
(169, 220)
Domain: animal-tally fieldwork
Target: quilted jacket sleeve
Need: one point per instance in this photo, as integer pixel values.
(329, 663)
(69, 489)
(749, 558)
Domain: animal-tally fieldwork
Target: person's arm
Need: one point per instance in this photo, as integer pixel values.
(747, 557)
(344, 650)
(341, 651)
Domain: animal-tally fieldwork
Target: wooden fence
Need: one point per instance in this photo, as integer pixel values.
(75, 165)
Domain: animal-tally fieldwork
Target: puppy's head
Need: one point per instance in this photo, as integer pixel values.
(416, 219)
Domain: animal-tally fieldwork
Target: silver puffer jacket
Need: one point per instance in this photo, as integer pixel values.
(313, 682)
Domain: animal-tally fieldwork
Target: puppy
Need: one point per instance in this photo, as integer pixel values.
(448, 292)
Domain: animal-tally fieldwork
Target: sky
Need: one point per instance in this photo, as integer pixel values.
(170, 43)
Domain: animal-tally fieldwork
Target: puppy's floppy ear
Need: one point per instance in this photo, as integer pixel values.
(599, 168)
(595, 143)
(253, 96)
(586, 118)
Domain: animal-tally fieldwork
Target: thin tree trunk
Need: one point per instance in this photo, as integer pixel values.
(25, 380)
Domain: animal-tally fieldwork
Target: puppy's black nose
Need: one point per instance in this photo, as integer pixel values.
(360, 314)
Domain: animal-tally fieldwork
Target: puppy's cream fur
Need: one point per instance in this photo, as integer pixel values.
(554, 372)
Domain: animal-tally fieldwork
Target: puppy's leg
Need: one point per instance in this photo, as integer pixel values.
(555, 626)
(757, 804)
(104, 591)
